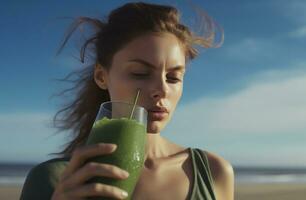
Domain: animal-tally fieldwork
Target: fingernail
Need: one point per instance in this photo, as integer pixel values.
(114, 147)
(126, 174)
(124, 194)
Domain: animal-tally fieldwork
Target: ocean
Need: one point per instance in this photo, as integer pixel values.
(15, 174)
(269, 175)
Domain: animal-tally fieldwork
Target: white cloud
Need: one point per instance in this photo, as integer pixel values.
(253, 49)
(294, 10)
(257, 119)
(298, 33)
(247, 45)
(271, 107)
(28, 137)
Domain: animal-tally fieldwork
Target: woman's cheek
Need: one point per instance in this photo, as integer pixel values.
(126, 91)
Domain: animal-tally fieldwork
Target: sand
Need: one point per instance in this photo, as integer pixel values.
(242, 192)
(10, 192)
(280, 191)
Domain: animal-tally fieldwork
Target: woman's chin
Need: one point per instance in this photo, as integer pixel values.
(154, 127)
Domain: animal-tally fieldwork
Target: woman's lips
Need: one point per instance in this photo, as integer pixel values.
(157, 115)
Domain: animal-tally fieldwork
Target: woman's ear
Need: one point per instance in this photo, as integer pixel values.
(100, 76)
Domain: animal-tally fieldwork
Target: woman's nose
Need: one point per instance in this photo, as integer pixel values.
(159, 89)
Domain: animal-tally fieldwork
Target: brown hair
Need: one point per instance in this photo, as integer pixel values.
(121, 26)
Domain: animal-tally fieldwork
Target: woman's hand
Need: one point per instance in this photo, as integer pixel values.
(72, 182)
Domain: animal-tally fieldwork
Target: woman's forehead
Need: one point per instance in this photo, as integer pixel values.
(153, 48)
(154, 40)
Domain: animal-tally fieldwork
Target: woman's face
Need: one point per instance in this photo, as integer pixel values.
(156, 65)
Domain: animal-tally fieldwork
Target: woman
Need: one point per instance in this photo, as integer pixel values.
(139, 46)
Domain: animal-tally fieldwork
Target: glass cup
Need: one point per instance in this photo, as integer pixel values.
(122, 124)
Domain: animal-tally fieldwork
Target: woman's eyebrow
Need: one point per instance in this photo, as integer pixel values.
(147, 64)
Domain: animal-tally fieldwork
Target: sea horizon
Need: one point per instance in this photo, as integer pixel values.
(14, 173)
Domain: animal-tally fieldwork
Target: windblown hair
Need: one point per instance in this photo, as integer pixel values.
(120, 27)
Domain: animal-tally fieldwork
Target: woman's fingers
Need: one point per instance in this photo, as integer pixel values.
(80, 155)
(93, 169)
(72, 184)
(97, 189)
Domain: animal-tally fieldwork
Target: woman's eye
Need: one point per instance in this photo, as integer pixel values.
(170, 79)
(173, 79)
(140, 75)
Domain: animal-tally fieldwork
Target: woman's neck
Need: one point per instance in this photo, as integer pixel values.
(156, 146)
(159, 149)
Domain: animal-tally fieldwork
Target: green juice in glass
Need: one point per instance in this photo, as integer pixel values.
(130, 137)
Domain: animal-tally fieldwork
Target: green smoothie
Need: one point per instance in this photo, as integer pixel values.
(130, 137)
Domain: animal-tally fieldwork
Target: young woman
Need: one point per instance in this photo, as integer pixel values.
(139, 46)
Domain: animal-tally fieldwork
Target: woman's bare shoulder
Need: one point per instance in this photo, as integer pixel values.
(219, 166)
(223, 176)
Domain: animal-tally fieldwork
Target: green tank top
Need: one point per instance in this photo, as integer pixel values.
(42, 179)
(202, 188)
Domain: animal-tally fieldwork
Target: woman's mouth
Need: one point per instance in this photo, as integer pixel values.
(157, 113)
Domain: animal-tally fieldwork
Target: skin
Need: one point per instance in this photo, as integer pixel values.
(167, 165)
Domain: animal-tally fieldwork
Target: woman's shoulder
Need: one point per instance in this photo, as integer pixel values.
(42, 178)
(223, 175)
(50, 167)
(52, 162)
(218, 165)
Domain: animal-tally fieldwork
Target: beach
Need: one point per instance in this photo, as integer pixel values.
(246, 191)
(270, 191)
(10, 192)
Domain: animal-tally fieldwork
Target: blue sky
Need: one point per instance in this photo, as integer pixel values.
(245, 101)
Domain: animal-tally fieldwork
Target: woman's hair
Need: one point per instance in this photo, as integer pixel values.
(120, 27)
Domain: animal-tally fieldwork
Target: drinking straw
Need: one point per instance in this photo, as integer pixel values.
(135, 102)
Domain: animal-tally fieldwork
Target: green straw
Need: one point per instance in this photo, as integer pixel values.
(135, 102)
